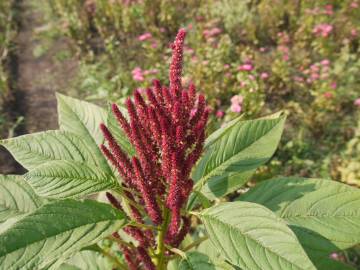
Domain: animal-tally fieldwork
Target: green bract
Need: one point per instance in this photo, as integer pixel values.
(46, 222)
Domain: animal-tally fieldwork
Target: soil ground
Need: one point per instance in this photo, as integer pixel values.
(41, 69)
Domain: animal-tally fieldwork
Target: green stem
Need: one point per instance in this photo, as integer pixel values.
(120, 241)
(160, 251)
(114, 259)
(144, 226)
(195, 243)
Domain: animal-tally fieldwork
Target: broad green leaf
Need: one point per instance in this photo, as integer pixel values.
(57, 230)
(251, 237)
(195, 260)
(35, 149)
(87, 260)
(83, 119)
(213, 137)
(119, 134)
(16, 197)
(234, 155)
(324, 214)
(63, 179)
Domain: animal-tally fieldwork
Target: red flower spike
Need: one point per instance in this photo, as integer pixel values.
(158, 92)
(117, 153)
(199, 111)
(113, 201)
(130, 259)
(167, 97)
(176, 63)
(173, 226)
(138, 235)
(121, 120)
(145, 259)
(149, 199)
(192, 95)
(167, 130)
(182, 233)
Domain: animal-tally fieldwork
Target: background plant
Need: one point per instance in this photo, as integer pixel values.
(167, 212)
(300, 56)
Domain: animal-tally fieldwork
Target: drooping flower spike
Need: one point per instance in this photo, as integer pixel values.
(166, 127)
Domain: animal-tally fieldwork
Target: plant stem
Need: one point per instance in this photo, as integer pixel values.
(195, 243)
(114, 259)
(119, 241)
(160, 251)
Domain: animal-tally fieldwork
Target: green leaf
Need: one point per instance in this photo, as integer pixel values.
(195, 260)
(88, 260)
(324, 214)
(251, 237)
(80, 117)
(57, 230)
(35, 149)
(16, 197)
(119, 134)
(63, 179)
(83, 119)
(234, 155)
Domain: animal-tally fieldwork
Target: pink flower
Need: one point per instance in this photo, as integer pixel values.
(264, 75)
(246, 67)
(237, 99)
(212, 32)
(333, 85)
(226, 66)
(314, 76)
(138, 74)
(354, 5)
(262, 49)
(145, 36)
(329, 10)
(236, 108)
(328, 95)
(357, 102)
(325, 62)
(251, 77)
(354, 32)
(220, 114)
(154, 45)
(314, 68)
(243, 84)
(323, 29)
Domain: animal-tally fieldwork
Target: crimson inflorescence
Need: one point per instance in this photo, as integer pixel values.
(166, 127)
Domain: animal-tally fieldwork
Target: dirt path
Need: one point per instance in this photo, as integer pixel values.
(38, 75)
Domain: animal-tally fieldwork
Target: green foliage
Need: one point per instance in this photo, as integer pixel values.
(252, 237)
(233, 156)
(283, 223)
(56, 231)
(17, 197)
(316, 210)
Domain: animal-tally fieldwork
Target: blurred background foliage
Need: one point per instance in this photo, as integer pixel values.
(249, 57)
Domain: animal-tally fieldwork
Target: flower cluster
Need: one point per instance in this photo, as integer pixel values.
(323, 30)
(167, 129)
